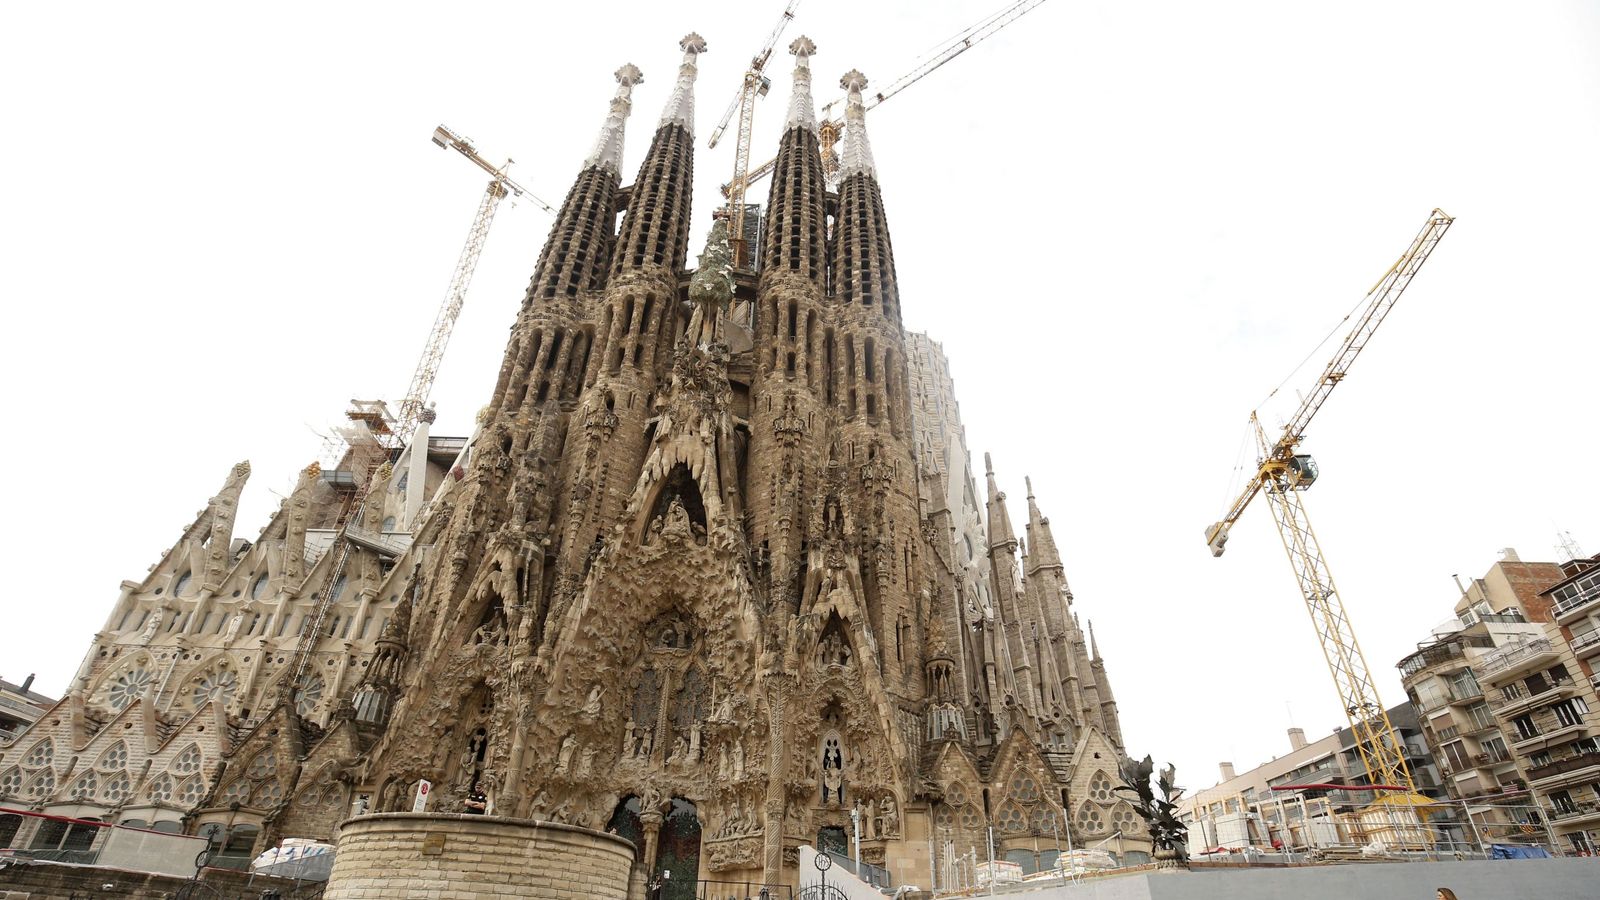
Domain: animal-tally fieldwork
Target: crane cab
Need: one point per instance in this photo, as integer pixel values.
(1302, 471)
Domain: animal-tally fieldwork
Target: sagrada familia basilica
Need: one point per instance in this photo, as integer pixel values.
(711, 572)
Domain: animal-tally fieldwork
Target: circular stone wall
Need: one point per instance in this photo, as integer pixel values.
(421, 855)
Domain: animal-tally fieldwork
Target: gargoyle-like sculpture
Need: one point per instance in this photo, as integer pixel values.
(1167, 833)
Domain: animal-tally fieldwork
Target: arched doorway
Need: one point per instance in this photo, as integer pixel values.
(832, 839)
(625, 823)
(678, 852)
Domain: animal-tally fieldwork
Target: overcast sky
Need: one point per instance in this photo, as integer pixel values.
(1125, 221)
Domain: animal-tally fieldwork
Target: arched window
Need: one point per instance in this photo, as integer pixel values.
(181, 586)
(259, 589)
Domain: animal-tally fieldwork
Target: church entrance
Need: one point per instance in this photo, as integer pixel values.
(678, 852)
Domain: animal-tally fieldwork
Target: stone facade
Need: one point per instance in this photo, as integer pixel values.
(692, 578)
(411, 855)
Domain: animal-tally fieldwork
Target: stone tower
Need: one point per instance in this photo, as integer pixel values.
(689, 579)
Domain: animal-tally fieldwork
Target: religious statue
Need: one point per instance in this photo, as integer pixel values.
(592, 706)
(711, 287)
(888, 817)
(738, 759)
(627, 736)
(680, 750)
(564, 755)
(722, 763)
(694, 744)
(586, 762)
(233, 627)
(155, 622)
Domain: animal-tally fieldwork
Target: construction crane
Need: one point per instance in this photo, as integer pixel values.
(1283, 473)
(500, 185)
(831, 127)
(755, 85)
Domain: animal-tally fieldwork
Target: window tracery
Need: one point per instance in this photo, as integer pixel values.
(160, 790)
(84, 787)
(1089, 818)
(41, 754)
(191, 792)
(43, 785)
(1101, 788)
(115, 758)
(11, 782)
(188, 762)
(128, 686)
(117, 789)
(220, 684)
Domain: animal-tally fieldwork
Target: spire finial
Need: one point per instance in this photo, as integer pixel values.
(1028, 480)
(1094, 648)
(988, 464)
(607, 153)
(680, 106)
(802, 114)
(856, 155)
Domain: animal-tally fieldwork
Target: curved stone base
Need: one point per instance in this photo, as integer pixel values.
(425, 855)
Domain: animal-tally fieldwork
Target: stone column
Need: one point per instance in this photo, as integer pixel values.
(778, 685)
(652, 819)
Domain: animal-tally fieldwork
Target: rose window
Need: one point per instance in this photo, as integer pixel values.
(263, 765)
(43, 785)
(1100, 787)
(40, 755)
(188, 762)
(118, 789)
(269, 794)
(192, 791)
(85, 787)
(161, 789)
(945, 819)
(1011, 819)
(220, 685)
(1124, 818)
(128, 687)
(1024, 788)
(116, 758)
(237, 792)
(11, 782)
(1089, 819)
(956, 796)
(308, 694)
(1044, 820)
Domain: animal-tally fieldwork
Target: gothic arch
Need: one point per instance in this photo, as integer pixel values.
(214, 678)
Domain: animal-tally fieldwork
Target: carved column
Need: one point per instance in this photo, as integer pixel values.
(651, 819)
(779, 684)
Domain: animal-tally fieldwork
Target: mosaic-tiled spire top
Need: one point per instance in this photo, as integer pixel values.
(856, 156)
(802, 112)
(607, 152)
(680, 106)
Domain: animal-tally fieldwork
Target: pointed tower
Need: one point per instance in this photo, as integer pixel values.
(793, 343)
(547, 353)
(1009, 599)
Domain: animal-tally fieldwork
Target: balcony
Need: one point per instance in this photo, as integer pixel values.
(1515, 658)
(1518, 705)
(1576, 598)
(1551, 732)
(1574, 813)
(1582, 765)
(1586, 646)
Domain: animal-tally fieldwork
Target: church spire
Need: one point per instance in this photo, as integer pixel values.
(795, 238)
(680, 106)
(1044, 543)
(856, 157)
(1000, 530)
(655, 232)
(607, 153)
(574, 257)
(802, 113)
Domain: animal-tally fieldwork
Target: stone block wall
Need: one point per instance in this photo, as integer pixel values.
(456, 856)
(60, 881)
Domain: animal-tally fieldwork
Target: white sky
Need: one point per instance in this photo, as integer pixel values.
(1125, 221)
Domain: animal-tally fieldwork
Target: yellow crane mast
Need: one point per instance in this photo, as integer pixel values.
(831, 126)
(755, 85)
(1283, 473)
(500, 186)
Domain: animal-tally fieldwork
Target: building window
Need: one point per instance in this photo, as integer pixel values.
(1512, 691)
(1525, 727)
(1571, 712)
(1495, 749)
(1456, 755)
(182, 585)
(1481, 716)
(259, 589)
(1562, 802)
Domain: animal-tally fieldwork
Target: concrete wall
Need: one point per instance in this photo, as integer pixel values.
(447, 856)
(1545, 879)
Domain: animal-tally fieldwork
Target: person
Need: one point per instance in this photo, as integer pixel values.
(1444, 894)
(476, 802)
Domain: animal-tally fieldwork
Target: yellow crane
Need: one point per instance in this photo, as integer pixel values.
(1283, 473)
(500, 186)
(831, 126)
(755, 84)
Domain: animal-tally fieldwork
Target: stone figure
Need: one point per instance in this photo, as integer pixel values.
(233, 627)
(627, 737)
(738, 759)
(679, 751)
(586, 762)
(694, 744)
(888, 817)
(592, 706)
(722, 763)
(149, 632)
(832, 772)
(711, 288)
(564, 755)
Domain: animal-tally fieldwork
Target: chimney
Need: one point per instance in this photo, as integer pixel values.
(1227, 771)
(1509, 554)
(1297, 739)
(27, 683)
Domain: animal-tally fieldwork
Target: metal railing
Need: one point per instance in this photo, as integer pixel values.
(1582, 594)
(1588, 640)
(1506, 657)
(1563, 766)
(877, 876)
(741, 890)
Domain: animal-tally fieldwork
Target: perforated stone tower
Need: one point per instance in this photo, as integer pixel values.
(690, 579)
